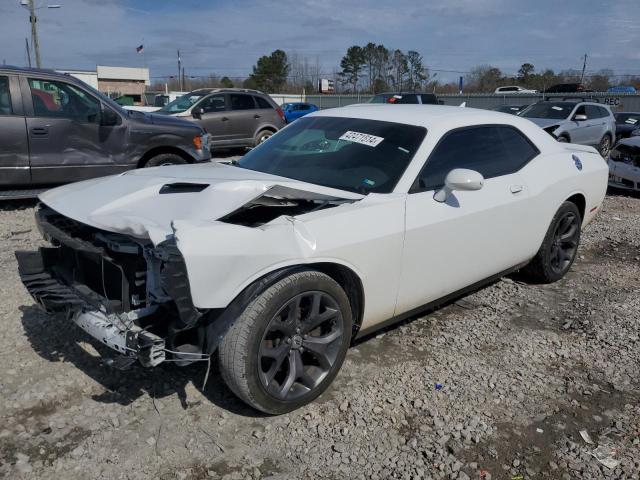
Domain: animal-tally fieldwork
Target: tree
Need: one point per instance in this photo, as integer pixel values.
(398, 69)
(600, 81)
(417, 72)
(484, 78)
(352, 65)
(270, 72)
(526, 70)
(225, 82)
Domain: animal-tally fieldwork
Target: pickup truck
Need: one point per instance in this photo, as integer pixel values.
(56, 129)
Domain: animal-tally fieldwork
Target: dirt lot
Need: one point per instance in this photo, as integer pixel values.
(496, 385)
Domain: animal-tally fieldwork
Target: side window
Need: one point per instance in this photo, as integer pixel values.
(5, 97)
(242, 102)
(593, 112)
(63, 100)
(491, 150)
(215, 103)
(304, 107)
(581, 110)
(604, 113)
(262, 103)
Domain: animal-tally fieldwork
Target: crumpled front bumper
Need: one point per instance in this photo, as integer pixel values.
(88, 310)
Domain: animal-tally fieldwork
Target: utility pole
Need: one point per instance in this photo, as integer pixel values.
(34, 32)
(26, 41)
(179, 73)
(29, 5)
(584, 67)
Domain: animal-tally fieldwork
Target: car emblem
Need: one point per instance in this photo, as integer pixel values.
(577, 161)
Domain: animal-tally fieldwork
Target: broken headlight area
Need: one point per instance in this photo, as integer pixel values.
(129, 295)
(629, 154)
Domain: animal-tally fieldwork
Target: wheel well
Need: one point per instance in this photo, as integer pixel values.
(154, 152)
(266, 127)
(565, 135)
(580, 202)
(351, 284)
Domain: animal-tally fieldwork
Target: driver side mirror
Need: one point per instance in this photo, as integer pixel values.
(197, 112)
(108, 117)
(459, 179)
(580, 117)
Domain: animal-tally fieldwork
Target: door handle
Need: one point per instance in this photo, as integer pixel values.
(516, 188)
(39, 131)
(224, 119)
(256, 116)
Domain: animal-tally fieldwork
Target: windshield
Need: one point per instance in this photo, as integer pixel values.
(350, 154)
(183, 103)
(554, 110)
(628, 118)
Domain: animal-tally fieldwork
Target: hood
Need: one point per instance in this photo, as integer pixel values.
(160, 119)
(545, 122)
(144, 203)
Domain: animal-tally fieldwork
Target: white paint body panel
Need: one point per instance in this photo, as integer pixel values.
(407, 249)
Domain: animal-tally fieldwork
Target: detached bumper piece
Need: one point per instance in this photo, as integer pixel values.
(91, 312)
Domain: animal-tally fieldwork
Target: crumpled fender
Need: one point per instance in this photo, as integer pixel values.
(222, 258)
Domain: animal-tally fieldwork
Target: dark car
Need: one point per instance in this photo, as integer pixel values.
(566, 88)
(626, 123)
(56, 129)
(405, 97)
(293, 111)
(512, 109)
(233, 117)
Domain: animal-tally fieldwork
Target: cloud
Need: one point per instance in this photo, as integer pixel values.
(226, 37)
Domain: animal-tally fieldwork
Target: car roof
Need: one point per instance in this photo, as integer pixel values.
(35, 71)
(422, 115)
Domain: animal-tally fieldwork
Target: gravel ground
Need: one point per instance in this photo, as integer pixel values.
(496, 385)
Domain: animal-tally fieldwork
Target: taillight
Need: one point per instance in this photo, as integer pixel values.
(280, 112)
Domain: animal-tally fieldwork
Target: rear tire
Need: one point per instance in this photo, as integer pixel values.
(262, 136)
(165, 159)
(288, 344)
(559, 247)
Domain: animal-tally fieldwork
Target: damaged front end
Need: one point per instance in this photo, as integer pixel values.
(123, 291)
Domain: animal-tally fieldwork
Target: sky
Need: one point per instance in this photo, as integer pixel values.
(226, 37)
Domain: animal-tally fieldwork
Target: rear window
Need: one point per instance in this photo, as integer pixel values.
(262, 103)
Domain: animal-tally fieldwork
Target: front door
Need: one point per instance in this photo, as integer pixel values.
(14, 148)
(214, 118)
(66, 140)
(473, 234)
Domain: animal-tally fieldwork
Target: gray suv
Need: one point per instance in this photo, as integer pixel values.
(575, 121)
(56, 129)
(232, 117)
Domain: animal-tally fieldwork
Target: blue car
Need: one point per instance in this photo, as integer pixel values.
(293, 111)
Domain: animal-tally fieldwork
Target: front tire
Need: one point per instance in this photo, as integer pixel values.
(604, 147)
(559, 247)
(288, 344)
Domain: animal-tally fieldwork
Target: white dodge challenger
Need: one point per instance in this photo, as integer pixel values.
(342, 222)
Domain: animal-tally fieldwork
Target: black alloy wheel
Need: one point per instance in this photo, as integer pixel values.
(300, 345)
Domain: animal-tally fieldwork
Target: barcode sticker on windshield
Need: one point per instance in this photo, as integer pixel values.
(361, 138)
(631, 121)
